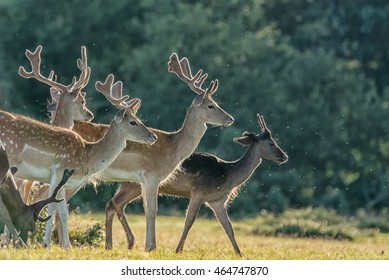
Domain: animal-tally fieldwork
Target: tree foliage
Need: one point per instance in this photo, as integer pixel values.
(317, 71)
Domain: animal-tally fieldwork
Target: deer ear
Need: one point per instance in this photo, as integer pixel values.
(120, 115)
(199, 99)
(243, 140)
(55, 94)
(13, 170)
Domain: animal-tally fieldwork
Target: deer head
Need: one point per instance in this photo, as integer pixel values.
(126, 117)
(264, 142)
(23, 216)
(206, 108)
(70, 97)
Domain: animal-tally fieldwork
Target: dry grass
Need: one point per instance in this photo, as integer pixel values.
(207, 240)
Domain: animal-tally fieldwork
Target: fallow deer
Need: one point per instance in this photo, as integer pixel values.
(41, 152)
(67, 101)
(204, 178)
(151, 165)
(20, 218)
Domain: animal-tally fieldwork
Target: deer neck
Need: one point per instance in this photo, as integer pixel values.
(241, 170)
(104, 151)
(188, 137)
(62, 118)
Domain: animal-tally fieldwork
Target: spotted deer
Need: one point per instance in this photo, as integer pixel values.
(20, 218)
(151, 165)
(204, 178)
(41, 152)
(67, 101)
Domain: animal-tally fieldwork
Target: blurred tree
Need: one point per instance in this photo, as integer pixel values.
(353, 29)
(316, 70)
(108, 32)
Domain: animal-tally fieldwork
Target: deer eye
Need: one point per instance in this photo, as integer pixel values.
(272, 144)
(133, 123)
(211, 107)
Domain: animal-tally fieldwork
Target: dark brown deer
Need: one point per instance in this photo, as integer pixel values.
(204, 178)
(20, 218)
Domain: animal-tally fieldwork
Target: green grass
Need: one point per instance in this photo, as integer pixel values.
(319, 223)
(307, 234)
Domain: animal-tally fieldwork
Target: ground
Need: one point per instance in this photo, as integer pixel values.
(207, 240)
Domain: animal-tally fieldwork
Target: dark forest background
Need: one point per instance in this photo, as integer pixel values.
(317, 70)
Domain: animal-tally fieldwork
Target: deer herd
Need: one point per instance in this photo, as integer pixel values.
(61, 157)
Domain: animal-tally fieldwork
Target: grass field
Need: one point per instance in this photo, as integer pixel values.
(207, 240)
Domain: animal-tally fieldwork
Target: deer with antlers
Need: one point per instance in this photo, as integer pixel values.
(67, 101)
(41, 152)
(151, 165)
(20, 218)
(204, 178)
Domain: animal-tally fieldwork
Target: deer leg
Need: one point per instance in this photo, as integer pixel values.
(9, 228)
(7, 234)
(49, 225)
(127, 193)
(41, 194)
(58, 228)
(5, 237)
(51, 208)
(110, 211)
(220, 211)
(58, 225)
(63, 215)
(191, 213)
(150, 204)
(4, 216)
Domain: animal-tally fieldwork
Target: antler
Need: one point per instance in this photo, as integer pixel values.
(113, 93)
(38, 206)
(182, 69)
(262, 123)
(82, 64)
(51, 80)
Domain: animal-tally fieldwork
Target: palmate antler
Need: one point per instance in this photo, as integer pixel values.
(51, 80)
(182, 69)
(38, 206)
(114, 94)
